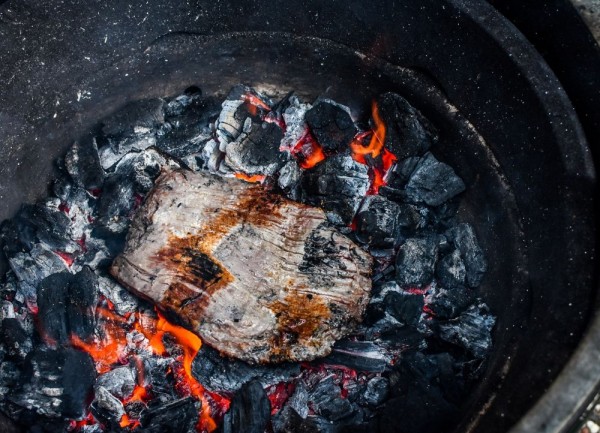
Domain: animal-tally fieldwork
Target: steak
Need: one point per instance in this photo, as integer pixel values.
(258, 277)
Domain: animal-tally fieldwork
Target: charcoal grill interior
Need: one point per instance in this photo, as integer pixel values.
(512, 136)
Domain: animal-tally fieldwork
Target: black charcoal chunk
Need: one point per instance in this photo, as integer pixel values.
(218, 373)
(257, 152)
(415, 262)
(173, 417)
(55, 382)
(155, 377)
(400, 173)
(433, 182)
(123, 300)
(404, 307)
(119, 381)
(378, 223)
(359, 355)
(464, 239)
(337, 185)
(187, 101)
(289, 180)
(408, 132)
(471, 330)
(451, 271)
(449, 303)
(288, 420)
(116, 202)
(376, 392)
(331, 125)
(250, 410)
(106, 407)
(17, 342)
(326, 400)
(67, 305)
(83, 164)
(145, 114)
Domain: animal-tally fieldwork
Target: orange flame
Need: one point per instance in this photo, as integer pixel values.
(128, 422)
(253, 103)
(375, 145)
(253, 178)
(307, 150)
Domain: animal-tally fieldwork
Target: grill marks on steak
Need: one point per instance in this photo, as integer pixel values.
(257, 276)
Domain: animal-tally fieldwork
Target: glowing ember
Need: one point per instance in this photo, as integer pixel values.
(127, 422)
(66, 257)
(307, 150)
(254, 178)
(253, 103)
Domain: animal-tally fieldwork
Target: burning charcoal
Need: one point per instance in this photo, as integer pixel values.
(408, 132)
(119, 381)
(378, 222)
(116, 202)
(173, 417)
(299, 400)
(415, 262)
(400, 174)
(360, 356)
(471, 330)
(288, 421)
(447, 304)
(144, 115)
(122, 299)
(331, 125)
(376, 392)
(235, 112)
(404, 307)
(55, 382)
(450, 270)
(290, 180)
(220, 374)
(250, 410)
(433, 182)
(106, 407)
(294, 121)
(216, 277)
(66, 305)
(17, 342)
(257, 152)
(83, 164)
(338, 185)
(155, 377)
(464, 239)
(326, 400)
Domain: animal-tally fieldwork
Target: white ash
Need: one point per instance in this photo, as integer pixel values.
(294, 122)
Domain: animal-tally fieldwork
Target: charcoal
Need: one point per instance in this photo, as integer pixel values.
(15, 339)
(257, 152)
(378, 222)
(186, 103)
(471, 330)
(331, 125)
(299, 400)
(66, 305)
(174, 417)
(288, 421)
(338, 185)
(404, 307)
(250, 410)
(10, 375)
(155, 377)
(376, 391)
(294, 117)
(408, 132)
(144, 114)
(449, 303)
(415, 262)
(119, 381)
(106, 406)
(359, 355)
(234, 114)
(220, 374)
(451, 271)
(83, 164)
(116, 202)
(402, 338)
(112, 153)
(464, 239)
(400, 173)
(433, 182)
(326, 400)
(123, 300)
(55, 382)
(289, 180)
(30, 269)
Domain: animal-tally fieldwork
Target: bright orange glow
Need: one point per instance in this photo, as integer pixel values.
(254, 102)
(375, 145)
(128, 422)
(139, 394)
(308, 151)
(253, 178)
(78, 425)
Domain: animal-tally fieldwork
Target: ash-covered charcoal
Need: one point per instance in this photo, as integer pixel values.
(464, 239)
(218, 373)
(256, 152)
(331, 125)
(16, 341)
(142, 168)
(135, 117)
(450, 270)
(83, 164)
(215, 278)
(449, 303)
(119, 381)
(290, 180)
(106, 407)
(337, 185)
(376, 392)
(380, 223)
(55, 382)
(123, 300)
(471, 330)
(155, 377)
(415, 262)
(326, 399)
(116, 202)
(294, 117)
(408, 132)
(404, 307)
(67, 304)
(250, 410)
(235, 112)
(360, 356)
(174, 417)
(433, 182)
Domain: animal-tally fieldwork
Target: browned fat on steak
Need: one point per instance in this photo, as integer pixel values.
(258, 277)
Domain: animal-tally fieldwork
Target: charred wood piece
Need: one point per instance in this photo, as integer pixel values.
(464, 239)
(471, 330)
(174, 417)
(250, 410)
(331, 125)
(415, 262)
(360, 356)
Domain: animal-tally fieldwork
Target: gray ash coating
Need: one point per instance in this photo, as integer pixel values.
(425, 335)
